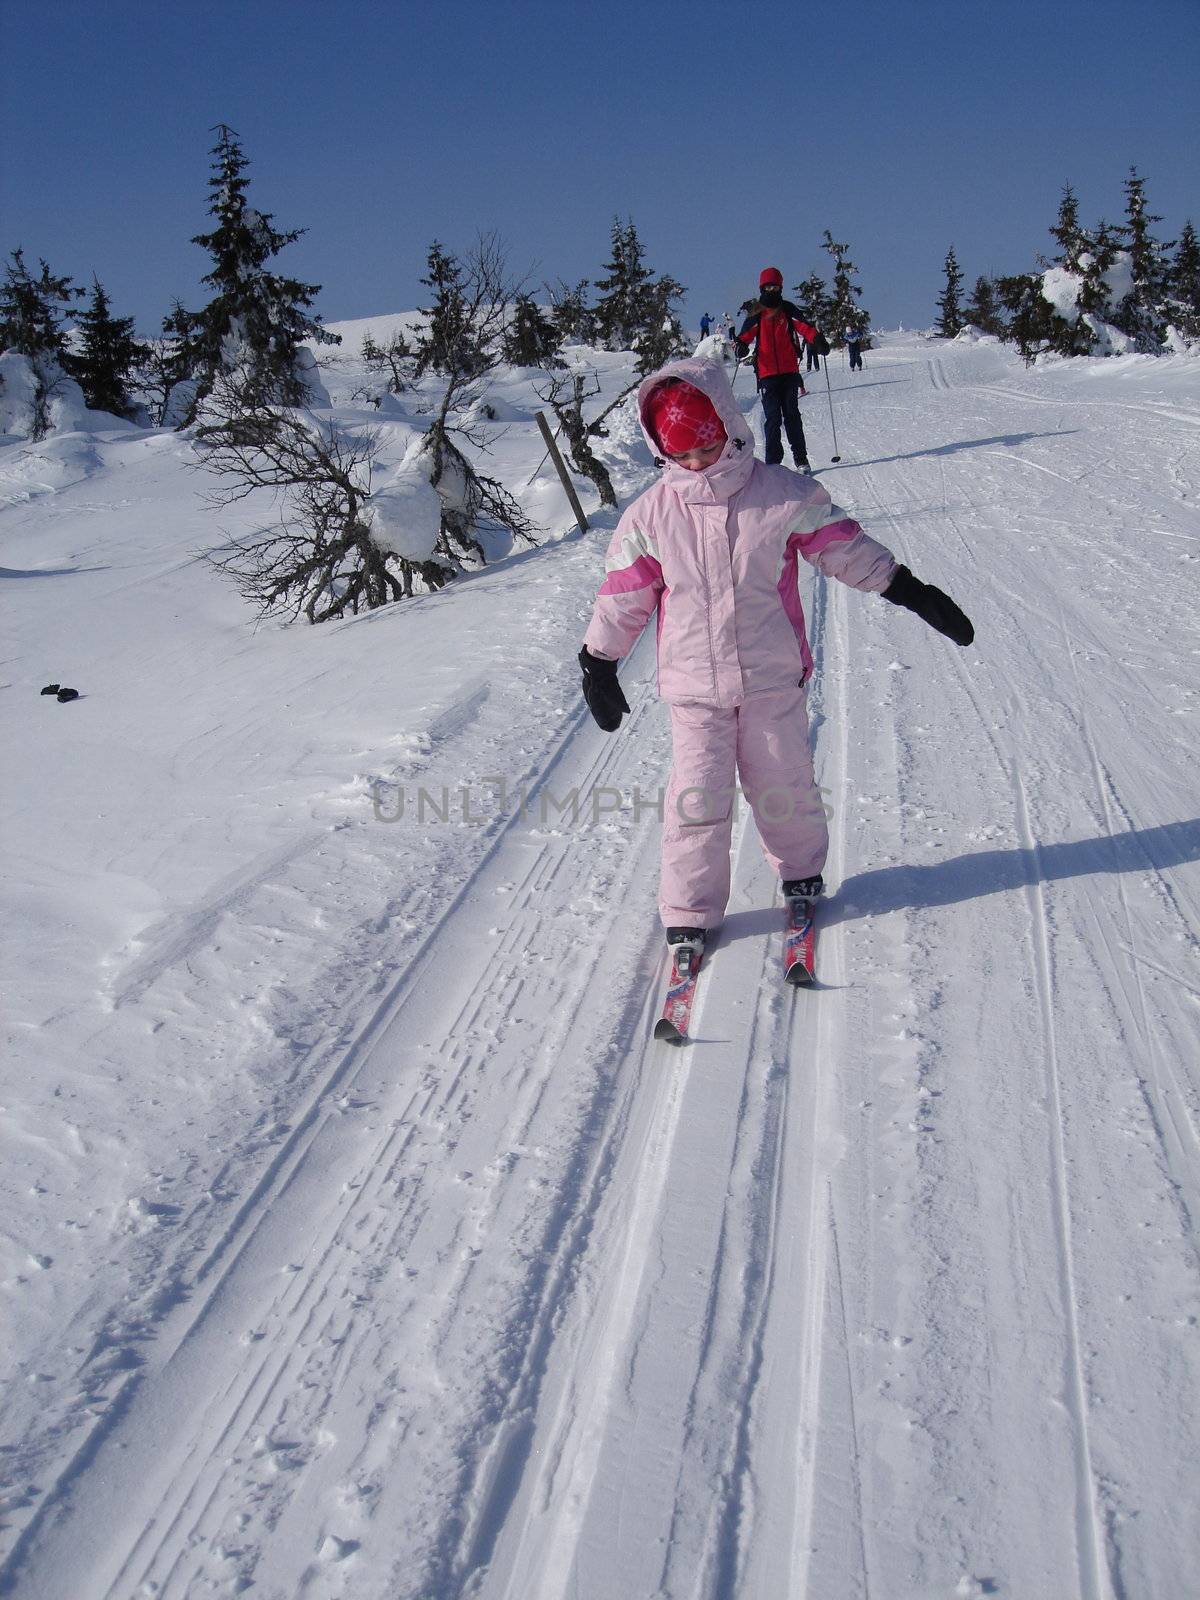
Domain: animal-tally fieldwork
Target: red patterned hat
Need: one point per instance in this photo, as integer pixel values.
(682, 418)
(770, 278)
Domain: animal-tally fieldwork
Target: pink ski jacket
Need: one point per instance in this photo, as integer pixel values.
(715, 554)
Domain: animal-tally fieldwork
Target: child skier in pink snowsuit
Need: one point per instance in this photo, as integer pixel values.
(713, 547)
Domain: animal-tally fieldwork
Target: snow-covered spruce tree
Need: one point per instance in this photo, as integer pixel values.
(1078, 264)
(460, 343)
(257, 319)
(107, 357)
(31, 310)
(662, 335)
(983, 308)
(845, 314)
(30, 325)
(1033, 324)
(1181, 307)
(1095, 292)
(814, 299)
(950, 317)
(572, 316)
(1072, 240)
(620, 310)
(325, 556)
(531, 338)
(636, 310)
(1140, 312)
(462, 332)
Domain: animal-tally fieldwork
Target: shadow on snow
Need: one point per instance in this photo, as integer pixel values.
(985, 872)
(1004, 439)
(970, 877)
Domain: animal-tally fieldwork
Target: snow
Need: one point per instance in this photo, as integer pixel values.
(357, 1241)
(66, 410)
(404, 514)
(18, 394)
(308, 373)
(1061, 288)
(714, 347)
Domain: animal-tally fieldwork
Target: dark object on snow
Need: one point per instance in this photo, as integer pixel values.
(67, 694)
(804, 888)
(780, 396)
(51, 688)
(931, 605)
(605, 698)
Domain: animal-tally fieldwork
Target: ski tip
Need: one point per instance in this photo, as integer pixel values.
(798, 974)
(668, 1032)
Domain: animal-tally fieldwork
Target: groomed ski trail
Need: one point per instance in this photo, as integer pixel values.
(886, 1289)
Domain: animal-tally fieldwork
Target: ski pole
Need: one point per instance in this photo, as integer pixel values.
(829, 395)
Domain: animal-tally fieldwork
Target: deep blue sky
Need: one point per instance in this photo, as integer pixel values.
(733, 136)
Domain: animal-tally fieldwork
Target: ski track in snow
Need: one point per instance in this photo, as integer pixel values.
(886, 1289)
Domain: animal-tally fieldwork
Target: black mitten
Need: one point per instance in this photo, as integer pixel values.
(604, 696)
(931, 605)
(821, 345)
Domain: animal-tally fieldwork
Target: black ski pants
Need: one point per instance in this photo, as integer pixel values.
(780, 396)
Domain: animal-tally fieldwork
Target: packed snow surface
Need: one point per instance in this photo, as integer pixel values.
(357, 1241)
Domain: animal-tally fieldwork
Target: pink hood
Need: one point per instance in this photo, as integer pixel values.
(733, 467)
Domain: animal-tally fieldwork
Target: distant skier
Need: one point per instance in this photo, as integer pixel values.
(721, 534)
(777, 333)
(705, 325)
(854, 344)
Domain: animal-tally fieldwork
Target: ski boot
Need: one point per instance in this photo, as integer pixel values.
(686, 946)
(808, 889)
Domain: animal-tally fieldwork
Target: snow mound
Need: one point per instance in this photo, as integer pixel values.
(309, 374)
(54, 463)
(405, 515)
(18, 389)
(66, 409)
(494, 408)
(714, 348)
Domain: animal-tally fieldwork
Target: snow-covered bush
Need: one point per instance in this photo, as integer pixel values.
(19, 387)
(1085, 302)
(404, 515)
(37, 398)
(332, 550)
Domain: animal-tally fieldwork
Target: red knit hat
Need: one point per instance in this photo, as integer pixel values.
(770, 278)
(682, 418)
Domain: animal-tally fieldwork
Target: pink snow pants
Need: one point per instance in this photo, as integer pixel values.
(765, 741)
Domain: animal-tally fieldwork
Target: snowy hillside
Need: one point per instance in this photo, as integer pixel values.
(357, 1241)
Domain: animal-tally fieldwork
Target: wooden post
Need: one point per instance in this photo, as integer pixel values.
(563, 474)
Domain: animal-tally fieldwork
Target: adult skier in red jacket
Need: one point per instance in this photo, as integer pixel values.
(777, 332)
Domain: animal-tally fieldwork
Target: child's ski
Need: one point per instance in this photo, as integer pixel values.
(799, 941)
(676, 1016)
